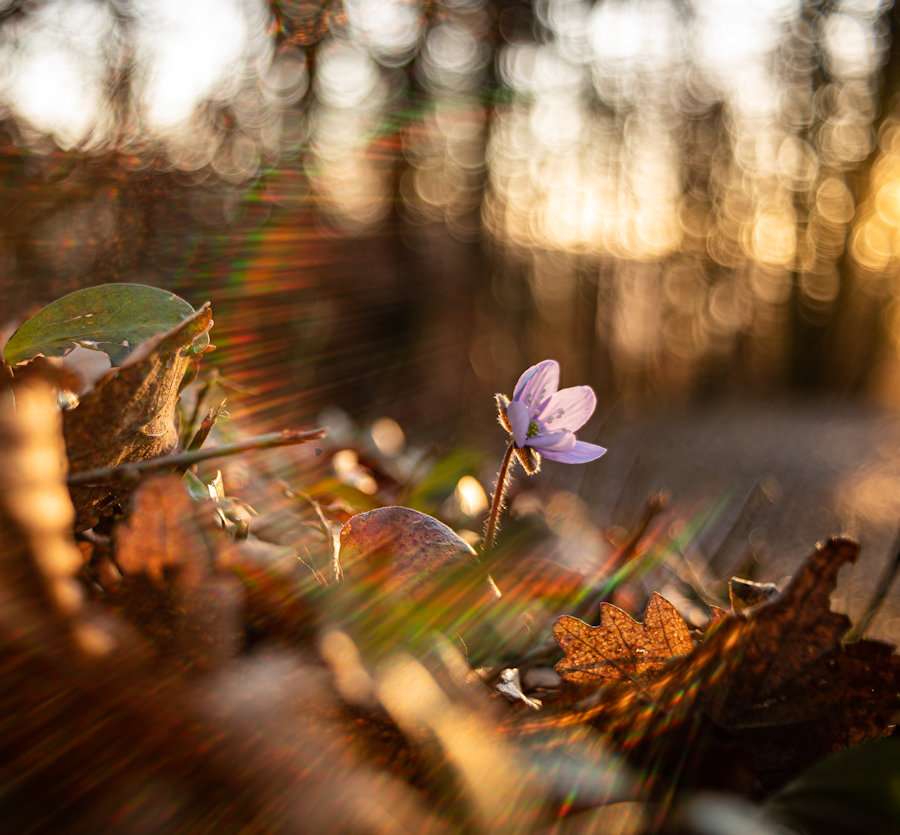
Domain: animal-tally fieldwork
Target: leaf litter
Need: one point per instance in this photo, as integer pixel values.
(177, 653)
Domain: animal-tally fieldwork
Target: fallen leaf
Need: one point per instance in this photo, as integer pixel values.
(400, 549)
(621, 647)
(768, 691)
(171, 591)
(777, 641)
(164, 535)
(130, 414)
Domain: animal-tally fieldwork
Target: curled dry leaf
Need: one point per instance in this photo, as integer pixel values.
(130, 414)
(742, 594)
(621, 647)
(400, 549)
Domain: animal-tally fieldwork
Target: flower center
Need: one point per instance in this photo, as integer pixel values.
(533, 429)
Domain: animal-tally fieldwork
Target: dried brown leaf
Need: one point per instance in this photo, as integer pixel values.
(621, 647)
(41, 603)
(161, 534)
(774, 686)
(778, 640)
(168, 551)
(130, 414)
(743, 594)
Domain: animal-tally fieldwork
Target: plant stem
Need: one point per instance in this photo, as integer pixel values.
(498, 500)
(891, 570)
(202, 394)
(286, 437)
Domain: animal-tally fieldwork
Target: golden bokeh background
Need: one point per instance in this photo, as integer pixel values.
(397, 205)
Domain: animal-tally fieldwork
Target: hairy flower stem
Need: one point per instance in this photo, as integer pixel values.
(498, 500)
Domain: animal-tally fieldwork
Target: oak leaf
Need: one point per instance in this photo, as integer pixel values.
(621, 647)
(769, 690)
(130, 414)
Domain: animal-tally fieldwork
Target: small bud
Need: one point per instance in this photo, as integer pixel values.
(502, 403)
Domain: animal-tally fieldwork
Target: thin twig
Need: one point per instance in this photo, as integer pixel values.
(202, 394)
(287, 437)
(202, 433)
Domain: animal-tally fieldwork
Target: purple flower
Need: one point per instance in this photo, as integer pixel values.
(545, 420)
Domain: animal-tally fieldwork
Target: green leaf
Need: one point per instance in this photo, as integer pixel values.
(442, 478)
(196, 487)
(113, 318)
(335, 488)
(854, 791)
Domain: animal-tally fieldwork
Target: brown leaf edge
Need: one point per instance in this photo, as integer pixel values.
(129, 415)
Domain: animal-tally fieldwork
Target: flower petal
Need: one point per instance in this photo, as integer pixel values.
(569, 409)
(519, 419)
(580, 453)
(552, 440)
(537, 384)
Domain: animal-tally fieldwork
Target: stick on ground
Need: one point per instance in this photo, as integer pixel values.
(287, 437)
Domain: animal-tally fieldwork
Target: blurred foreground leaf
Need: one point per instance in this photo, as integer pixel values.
(113, 318)
(171, 592)
(41, 606)
(854, 792)
(442, 479)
